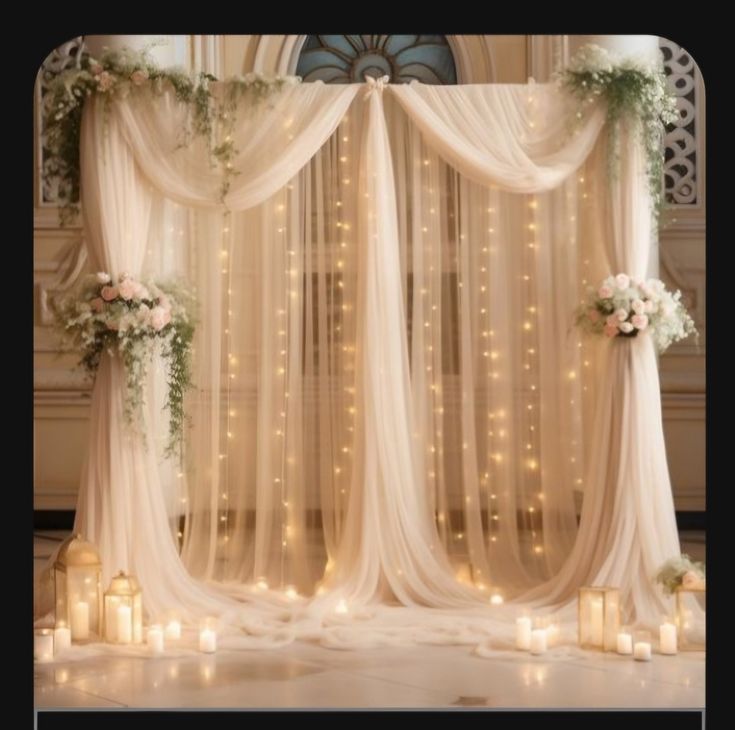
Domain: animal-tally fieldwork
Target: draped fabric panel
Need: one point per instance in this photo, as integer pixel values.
(393, 417)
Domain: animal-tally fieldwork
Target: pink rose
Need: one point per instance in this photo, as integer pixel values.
(622, 281)
(141, 292)
(692, 580)
(648, 306)
(127, 289)
(611, 330)
(638, 306)
(621, 314)
(123, 276)
(97, 304)
(612, 320)
(604, 292)
(639, 321)
(109, 293)
(594, 315)
(139, 76)
(105, 80)
(159, 318)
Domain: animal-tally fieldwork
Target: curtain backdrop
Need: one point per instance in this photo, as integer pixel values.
(393, 417)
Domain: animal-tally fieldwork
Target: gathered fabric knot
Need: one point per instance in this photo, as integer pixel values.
(374, 84)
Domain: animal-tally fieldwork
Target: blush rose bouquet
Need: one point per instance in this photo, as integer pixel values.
(622, 306)
(132, 320)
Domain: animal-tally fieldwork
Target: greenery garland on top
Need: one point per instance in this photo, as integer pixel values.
(119, 73)
(632, 89)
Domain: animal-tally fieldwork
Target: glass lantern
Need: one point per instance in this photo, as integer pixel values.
(77, 579)
(691, 618)
(599, 617)
(123, 610)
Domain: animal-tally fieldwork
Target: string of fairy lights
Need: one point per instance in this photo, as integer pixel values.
(494, 370)
(226, 254)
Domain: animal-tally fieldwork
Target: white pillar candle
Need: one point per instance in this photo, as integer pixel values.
(642, 651)
(43, 645)
(596, 622)
(667, 638)
(155, 639)
(207, 641)
(173, 630)
(80, 621)
(523, 633)
(62, 639)
(625, 643)
(124, 625)
(538, 641)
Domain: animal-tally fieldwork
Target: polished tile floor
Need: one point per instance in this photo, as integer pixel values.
(306, 675)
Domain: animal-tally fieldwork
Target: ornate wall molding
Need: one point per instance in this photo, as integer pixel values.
(683, 153)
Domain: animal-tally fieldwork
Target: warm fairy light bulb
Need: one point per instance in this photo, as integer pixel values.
(527, 326)
(496, 599)
(341, 606)
(262, 584)
(538, 549)
(291, 593)
(572, 375)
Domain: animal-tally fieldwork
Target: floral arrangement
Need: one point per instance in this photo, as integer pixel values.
(681, 572)
(623, 307)
(632, 88)
(120, 73)
(129, 319)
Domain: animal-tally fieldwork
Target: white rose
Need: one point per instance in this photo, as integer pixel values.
(622, 281)
(103, 277)
(626, 327)
(621, 314)
(638, 306)
(143, 313)
(648, 306)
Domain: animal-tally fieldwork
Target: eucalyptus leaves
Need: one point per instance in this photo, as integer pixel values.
(129, 319)
(632, 89)
(118, 74)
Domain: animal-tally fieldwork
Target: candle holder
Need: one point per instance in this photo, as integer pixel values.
(123, 610)
(77, 581)
(691, 618)
(599, 617)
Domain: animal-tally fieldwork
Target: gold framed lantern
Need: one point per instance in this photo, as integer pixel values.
(123, 610)
(599, 617)
(77, 577)
(691, 617)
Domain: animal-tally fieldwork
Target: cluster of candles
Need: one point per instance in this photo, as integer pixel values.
(639, 644)
(49, 643)
(536, 640)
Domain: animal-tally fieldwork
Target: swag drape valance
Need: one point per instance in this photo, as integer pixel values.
(387, 540)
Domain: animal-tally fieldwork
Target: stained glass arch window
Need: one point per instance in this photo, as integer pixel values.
(346, 59)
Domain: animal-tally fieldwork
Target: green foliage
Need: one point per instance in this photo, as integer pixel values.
(116, 75)
(634, 93)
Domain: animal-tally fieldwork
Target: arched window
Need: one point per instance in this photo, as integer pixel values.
(346, 59)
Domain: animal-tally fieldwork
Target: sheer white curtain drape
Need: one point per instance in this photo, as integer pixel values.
(391, 408)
